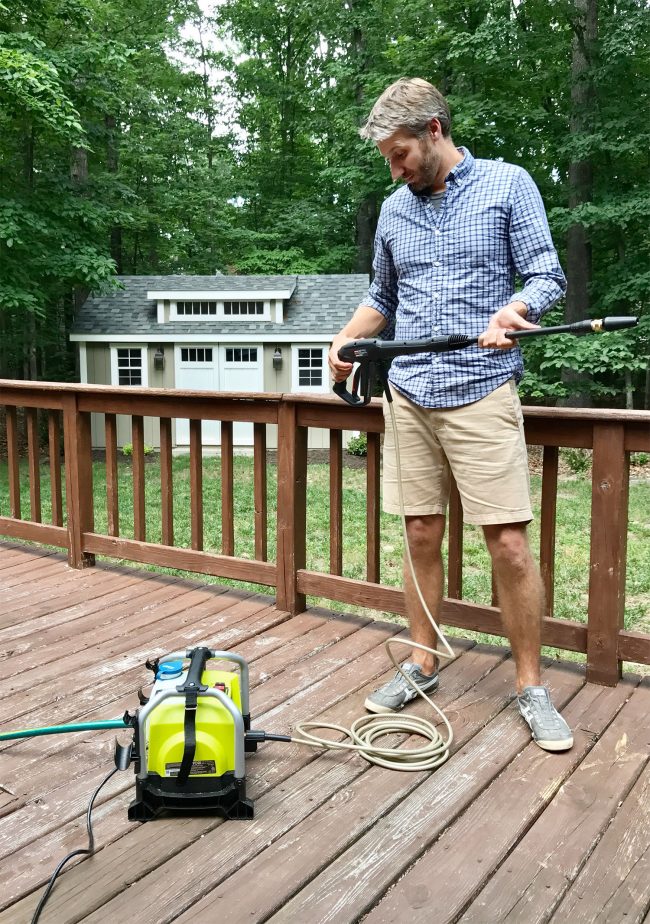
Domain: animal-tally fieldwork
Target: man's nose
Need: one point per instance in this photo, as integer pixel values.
(396, 170)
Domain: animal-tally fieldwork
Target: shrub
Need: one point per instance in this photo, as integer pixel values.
(358, 445)
(578, 460)
(127, 449)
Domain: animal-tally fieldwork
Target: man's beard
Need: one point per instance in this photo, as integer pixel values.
(425, 179)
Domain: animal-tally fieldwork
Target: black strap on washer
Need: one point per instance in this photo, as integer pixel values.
(192, 687)
(189, 737)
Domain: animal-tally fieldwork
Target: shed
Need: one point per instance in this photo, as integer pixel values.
(216, 333)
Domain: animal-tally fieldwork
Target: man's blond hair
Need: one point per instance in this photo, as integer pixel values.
(408, 105)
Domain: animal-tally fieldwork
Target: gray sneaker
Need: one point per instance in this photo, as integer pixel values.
(397, 693)
(549, 729)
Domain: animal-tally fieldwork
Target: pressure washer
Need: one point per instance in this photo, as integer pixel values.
(373, 355)
(193, 730)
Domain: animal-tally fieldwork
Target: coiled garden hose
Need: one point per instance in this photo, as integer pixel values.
(365, 730)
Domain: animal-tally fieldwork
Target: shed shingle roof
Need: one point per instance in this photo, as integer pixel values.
(319, 305)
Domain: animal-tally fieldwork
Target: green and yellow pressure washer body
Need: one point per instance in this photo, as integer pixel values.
(190, 738)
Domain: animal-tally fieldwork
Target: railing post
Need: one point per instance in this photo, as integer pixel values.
(292, 508)
(609, 520)
(78, 481)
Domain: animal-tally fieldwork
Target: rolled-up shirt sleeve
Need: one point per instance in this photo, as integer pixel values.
(533, 252)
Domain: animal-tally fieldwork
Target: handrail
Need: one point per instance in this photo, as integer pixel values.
(611, 435)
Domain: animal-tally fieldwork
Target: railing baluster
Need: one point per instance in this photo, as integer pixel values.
(13, 469)
(455, 545)
(196, 485)
(548, 522)
(166, 481)
(372, 508)
(112, 481)
(227, 484)
(609, 521)
(139, 514)
(260, 491)
(54, 446)
(336, 502)
(31, 416)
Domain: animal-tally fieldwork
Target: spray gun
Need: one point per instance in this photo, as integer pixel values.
(373, 356)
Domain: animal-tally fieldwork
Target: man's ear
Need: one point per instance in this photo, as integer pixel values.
(435, 129)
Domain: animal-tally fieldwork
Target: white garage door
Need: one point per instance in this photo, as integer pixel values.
(218, 368)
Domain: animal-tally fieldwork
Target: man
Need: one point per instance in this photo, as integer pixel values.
(448, 247)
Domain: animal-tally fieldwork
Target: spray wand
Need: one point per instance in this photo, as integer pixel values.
(373, 355)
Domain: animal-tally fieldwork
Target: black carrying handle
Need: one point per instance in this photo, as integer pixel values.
(199, 657)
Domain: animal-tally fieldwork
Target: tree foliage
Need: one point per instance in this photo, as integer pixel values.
(190, 136)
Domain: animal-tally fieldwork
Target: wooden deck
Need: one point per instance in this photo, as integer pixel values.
(501, 832)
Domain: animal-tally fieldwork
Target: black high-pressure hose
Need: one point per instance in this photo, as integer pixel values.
(372, 354)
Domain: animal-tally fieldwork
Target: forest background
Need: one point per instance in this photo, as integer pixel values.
(172, 136)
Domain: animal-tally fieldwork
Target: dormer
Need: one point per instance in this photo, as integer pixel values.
(221, 304)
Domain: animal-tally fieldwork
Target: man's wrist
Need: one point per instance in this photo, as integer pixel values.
(520, 307)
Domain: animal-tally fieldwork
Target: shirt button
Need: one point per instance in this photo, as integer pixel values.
(438, 231)
(436, 296)
(437, 263)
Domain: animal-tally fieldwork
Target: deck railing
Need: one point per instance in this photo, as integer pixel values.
(611, 435)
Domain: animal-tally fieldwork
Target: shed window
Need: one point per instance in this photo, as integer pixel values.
(196, 354)
(245, 307)
(241, 354)
(196, 308)
(310, 367)
(129, 366)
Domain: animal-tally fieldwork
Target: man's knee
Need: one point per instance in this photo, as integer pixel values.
(425, 532)
(508, 546)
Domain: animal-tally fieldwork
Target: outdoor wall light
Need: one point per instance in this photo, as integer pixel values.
(159, 359)
(277, 358)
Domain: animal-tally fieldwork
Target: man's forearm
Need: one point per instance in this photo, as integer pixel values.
(365, 322)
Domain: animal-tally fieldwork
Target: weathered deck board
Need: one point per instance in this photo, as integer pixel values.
(502, 831)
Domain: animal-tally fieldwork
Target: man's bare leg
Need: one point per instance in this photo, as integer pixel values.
(425, 535)
(521, 597)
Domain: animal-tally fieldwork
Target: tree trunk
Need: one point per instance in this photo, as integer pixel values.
(79, 178)
(366, 224)
(112, 163)
(367, 211)
(580, 187)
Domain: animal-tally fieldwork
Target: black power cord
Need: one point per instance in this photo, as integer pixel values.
(75, 853)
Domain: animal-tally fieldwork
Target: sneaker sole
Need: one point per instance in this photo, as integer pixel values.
(555, 745)
(380, 710)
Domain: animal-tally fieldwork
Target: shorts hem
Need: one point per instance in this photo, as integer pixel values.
(502, 518)
(415, 511)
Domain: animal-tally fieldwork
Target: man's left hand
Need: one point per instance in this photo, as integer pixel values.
(510, 317)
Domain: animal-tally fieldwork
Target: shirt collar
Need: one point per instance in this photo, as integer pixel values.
(463, 168)
(458, 173)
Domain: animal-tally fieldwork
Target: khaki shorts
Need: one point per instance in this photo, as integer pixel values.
(481, 443)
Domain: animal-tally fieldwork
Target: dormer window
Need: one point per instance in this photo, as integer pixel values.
(194, 308)
(199, 305)
(246, 307)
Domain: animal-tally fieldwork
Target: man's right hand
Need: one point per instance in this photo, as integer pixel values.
(366, 322)
(340, 370)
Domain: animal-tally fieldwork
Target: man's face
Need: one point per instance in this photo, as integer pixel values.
(416, 161)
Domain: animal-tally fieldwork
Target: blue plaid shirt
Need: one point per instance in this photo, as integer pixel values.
(447, 270)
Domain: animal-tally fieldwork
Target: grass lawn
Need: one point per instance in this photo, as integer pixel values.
(572, 540)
